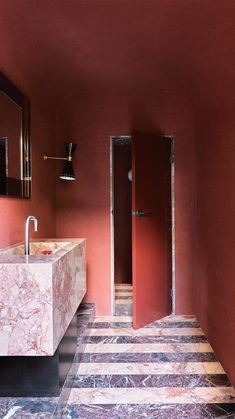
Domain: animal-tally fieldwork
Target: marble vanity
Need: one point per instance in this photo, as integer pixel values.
(39, 298)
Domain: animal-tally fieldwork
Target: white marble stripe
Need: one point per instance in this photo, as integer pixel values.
(84, 311)
(147, 347)
(129, 301)
(146, 332)
(124, 290)
(178, 318)
(123, 294)
(113, 319)
(11, 412)
(123, 285)
(146, 395)
(129, 319)
(178, 368)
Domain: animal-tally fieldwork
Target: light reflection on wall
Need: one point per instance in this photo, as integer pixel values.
(10, 134)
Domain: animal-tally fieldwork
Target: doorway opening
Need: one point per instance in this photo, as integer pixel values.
(122, 213)
(122, 225)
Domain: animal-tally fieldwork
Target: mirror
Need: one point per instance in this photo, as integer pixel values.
(15, 159)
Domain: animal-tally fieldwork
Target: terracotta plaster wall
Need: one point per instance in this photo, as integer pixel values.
(83, 207)
(42, 204)
(214, 261)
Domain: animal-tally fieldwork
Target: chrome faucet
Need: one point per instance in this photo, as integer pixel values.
(27, 221)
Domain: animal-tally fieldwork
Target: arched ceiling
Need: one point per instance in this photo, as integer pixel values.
(62, 46)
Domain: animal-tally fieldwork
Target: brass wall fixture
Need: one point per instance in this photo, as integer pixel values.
(67, 172)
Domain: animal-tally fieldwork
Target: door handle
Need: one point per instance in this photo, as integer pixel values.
(141, 213)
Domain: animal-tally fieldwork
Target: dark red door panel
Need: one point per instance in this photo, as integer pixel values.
(151, 227)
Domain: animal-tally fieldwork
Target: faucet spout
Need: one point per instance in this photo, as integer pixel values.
(27, 223)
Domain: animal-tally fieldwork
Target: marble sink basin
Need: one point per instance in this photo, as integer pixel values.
(36, 248)
(39, 294)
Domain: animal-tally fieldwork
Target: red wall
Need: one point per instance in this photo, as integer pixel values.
(214, 260)
(42, 204)
(122, 214)
(204, 234)
(83, 207)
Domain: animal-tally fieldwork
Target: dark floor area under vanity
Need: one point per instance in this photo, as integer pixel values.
(39, 376)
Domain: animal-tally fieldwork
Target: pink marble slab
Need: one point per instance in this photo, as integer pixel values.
(39, 296)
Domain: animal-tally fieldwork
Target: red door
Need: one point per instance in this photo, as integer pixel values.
(151, 227)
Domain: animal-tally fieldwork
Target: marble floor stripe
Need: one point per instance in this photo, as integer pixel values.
(128, 325)
(169, 325)
(85, 311)
(180, 368)
(141, 380)
(123, 297)
(151, 411)
(149, 357)
(124, 292)
(27, 407)
(174, 331)
(113, 319)
(109, 325)
(177, 318)
(123, 300)
(144, 339)
(125, 284)
(148, 347)
(146, 395)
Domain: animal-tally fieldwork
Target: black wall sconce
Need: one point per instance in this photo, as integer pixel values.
(67, 172)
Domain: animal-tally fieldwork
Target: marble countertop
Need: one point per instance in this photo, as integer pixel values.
(7, 255)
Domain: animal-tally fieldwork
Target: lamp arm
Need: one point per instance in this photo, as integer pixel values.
(45, 157)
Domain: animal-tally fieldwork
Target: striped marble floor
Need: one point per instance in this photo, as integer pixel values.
(165, 370)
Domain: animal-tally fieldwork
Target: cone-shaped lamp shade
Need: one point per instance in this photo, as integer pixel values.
(68, 172)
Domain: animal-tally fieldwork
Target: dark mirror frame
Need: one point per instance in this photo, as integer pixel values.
(20, 188)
